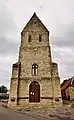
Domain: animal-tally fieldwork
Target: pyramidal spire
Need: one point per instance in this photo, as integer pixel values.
(34, 13)
(34, 17)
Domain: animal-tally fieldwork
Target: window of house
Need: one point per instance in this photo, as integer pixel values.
(29, 38)
(40, 38)
(34, 69)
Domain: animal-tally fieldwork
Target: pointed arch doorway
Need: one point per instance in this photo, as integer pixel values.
(34, 92)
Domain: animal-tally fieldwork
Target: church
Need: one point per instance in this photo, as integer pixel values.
(35, 80)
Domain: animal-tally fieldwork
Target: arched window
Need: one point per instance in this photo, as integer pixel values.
(34, 69)
(29, 38)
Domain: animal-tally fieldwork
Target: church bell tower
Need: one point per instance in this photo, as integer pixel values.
(35, 80)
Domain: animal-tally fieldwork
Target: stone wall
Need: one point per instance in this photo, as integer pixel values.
(71, 91)
(47, 75)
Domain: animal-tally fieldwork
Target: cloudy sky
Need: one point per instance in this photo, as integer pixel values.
(58, 17)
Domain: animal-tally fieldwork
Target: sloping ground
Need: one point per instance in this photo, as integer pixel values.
(61, 113)
(66, 112)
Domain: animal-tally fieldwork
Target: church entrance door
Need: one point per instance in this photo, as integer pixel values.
(34, 92)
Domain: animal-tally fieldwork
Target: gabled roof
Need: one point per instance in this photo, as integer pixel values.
(32, 18)
(65, 84)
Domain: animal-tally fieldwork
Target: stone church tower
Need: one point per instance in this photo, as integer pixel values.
(35, 80)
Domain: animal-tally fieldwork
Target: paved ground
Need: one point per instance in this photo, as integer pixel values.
(8, 114)
(61, 113)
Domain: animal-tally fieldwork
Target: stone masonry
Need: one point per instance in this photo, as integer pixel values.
(35, 80)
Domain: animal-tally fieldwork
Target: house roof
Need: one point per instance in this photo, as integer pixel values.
(65, 84)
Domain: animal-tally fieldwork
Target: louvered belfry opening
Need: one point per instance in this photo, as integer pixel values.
(34, 92)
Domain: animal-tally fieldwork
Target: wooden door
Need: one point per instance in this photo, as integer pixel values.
(34, 92)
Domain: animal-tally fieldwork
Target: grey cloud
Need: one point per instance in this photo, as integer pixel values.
(65, 58)
(5, 81)
(66, 38)
(4, 73)
(8, 44)
(6, 68)
(7, 47)
(7, 23)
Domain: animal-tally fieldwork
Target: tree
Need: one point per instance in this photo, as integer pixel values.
(3, 89)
